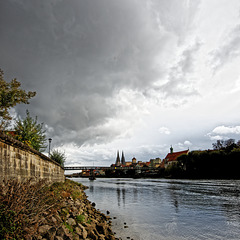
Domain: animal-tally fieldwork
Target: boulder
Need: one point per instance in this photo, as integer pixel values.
(84, 231)
(43, 229)
(79, 231)
(102, 228)
(51, 233)
(71, 222)
(58, 238)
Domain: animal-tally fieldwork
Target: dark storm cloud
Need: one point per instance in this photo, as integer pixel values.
(78, 55)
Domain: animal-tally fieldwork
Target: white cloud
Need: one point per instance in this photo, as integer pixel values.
(214, 138)
(164, 130)
(236, 86)
(226, 130)
(187, 143)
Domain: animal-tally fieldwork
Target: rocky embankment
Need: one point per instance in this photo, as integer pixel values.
(77, 219)
(60, 211)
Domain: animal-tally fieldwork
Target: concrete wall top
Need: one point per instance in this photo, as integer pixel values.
(13, 142)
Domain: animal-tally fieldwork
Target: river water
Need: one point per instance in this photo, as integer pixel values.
(167, 209)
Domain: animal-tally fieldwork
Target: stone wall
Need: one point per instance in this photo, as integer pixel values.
(19, 161)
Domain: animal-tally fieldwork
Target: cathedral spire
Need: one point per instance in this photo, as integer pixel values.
(123, 159)
(118, 163)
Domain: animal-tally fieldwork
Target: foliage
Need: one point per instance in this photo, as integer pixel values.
(58, 156)
(10, 95)
(80, 218)
(69, 187)
(30, 132)
(69, 227)
(89, 221)
(211, 164)
(182, 159)
(227, 145)
(7, 224)
(218, 145)
(173, 170)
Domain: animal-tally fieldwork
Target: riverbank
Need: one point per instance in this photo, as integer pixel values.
(59, 211)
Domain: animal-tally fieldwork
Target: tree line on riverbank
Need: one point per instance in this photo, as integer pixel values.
(221, 162)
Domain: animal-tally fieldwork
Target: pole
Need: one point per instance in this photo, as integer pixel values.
(50, 140)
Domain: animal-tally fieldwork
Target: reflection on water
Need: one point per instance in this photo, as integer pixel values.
(169, 209)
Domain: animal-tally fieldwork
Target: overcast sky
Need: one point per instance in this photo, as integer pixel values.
(131, 75)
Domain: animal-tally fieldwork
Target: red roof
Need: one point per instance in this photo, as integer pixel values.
(173, 156)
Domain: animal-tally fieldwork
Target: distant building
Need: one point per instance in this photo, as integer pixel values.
(134, 161)
(120, 163)
(99, 172)
(123, 159)
(155, 162)
(85, 173)
(128, 164)
(171, 157)
(143, 164)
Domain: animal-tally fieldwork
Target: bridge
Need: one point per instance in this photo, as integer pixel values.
(133, 171)
(110, 168)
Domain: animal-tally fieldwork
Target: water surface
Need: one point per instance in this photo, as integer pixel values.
(168, 209)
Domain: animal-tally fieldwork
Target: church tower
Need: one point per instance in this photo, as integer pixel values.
(118, 163)
(171, 149)
(123, 159)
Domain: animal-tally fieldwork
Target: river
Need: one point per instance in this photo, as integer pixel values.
(165, 209)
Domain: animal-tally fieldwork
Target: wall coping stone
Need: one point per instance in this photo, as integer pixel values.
(14, 142)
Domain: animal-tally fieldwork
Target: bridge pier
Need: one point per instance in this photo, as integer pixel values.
(92, 175)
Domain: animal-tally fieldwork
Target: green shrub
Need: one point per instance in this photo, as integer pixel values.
(30, 132)
(80, 218)
(58, 156)
(69, 227)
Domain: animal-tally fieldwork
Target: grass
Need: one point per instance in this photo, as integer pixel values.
(80, 218)
(69, 227)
